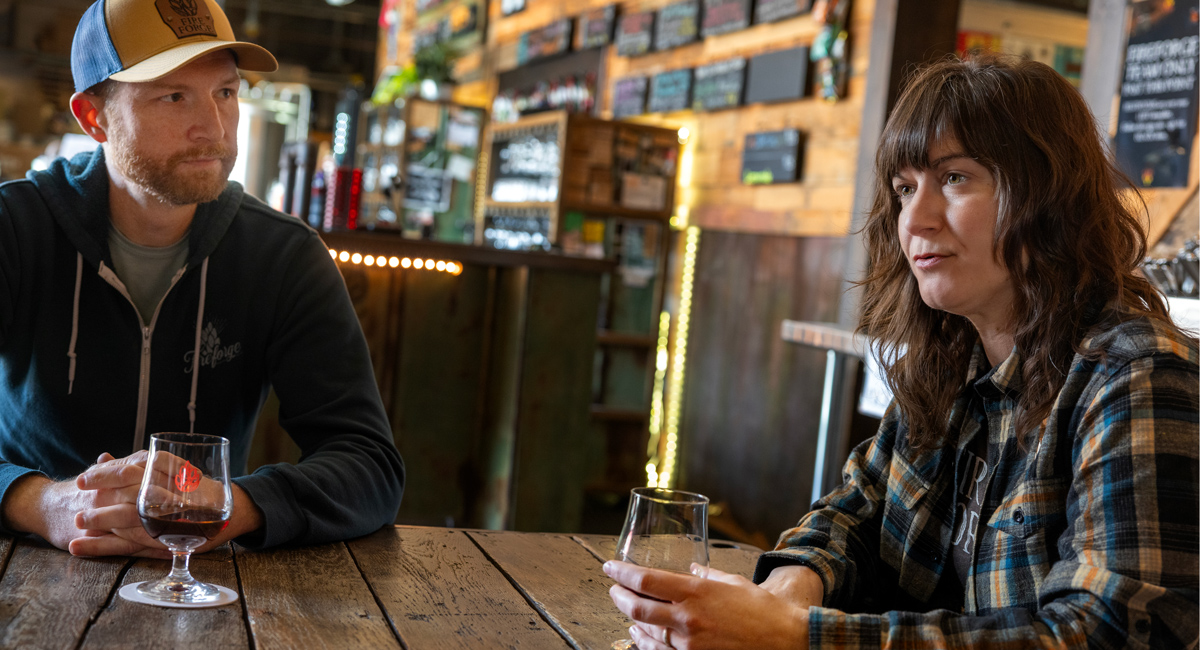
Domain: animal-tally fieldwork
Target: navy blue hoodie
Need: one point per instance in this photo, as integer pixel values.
(259, 304)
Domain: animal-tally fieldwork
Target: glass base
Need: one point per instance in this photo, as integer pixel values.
(171, 590)
(624, 644)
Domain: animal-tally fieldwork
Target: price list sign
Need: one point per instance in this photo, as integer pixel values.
(776, 76)
(767, 11)
(635, 33)
(724, 16)
(678, 24)
(771, 157)
(596, 27)
(670, 91)
(718, 85)
(629, 97)
(1157, 119)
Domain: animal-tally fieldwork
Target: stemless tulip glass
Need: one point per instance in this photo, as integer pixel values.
(664, 529)
(184, 501)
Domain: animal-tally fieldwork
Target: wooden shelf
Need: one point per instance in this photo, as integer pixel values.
(525, 205)
(601, 412)
(617, 211)
(625, 339)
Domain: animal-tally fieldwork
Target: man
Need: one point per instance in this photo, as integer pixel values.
(141, 292)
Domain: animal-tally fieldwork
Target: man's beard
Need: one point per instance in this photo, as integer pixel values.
(164, 180)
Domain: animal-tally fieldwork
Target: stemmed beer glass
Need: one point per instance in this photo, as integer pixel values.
(664, 529)
(184, 501)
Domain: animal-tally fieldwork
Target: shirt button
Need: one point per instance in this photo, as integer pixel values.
(1019, 517)
(1142, 626)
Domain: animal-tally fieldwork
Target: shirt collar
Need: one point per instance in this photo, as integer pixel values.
(998, 381)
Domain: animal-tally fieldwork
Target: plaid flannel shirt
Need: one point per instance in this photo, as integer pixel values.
(1090, 535)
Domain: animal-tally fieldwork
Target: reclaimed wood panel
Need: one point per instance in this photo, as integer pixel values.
(752, 401)
(312, 597)
(48, 597)
(125, 624)
(564, 581)
(556, 453)
(440, 591)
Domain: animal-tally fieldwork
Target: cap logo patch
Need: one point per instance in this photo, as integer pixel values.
(186, 17)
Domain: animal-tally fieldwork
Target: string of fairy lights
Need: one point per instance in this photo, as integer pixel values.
(394, 261)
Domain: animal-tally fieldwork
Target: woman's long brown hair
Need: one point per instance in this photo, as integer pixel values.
(1068, 235)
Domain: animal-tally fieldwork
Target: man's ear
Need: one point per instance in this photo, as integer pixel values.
(86, 109)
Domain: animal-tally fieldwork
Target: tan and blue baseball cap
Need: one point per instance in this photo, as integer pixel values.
(144, 40)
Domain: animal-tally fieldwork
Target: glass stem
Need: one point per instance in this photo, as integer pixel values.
(179, 566)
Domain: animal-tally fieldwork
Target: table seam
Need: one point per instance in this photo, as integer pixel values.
(112, 594)
(387, 616)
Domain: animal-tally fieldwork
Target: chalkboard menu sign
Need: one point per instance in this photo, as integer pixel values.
(552, 39)
(771, 157)
(678, 24)
(635, 33)
(629, 96)
(426, 188)
(718, 85)
(766, 11)
(525, 166)
(724, 16)
(596, 27)
(670, 91)
(776, 76)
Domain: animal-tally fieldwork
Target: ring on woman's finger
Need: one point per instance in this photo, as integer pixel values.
(667, 637)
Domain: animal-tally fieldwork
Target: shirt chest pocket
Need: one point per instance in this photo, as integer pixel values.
(905, 516)
(1025, 530)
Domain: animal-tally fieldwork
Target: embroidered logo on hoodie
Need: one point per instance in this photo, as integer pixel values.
(212, 353)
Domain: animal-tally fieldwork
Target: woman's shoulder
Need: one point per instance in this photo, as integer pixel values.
(1123, 335)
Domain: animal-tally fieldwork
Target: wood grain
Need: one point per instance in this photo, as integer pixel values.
(440, 591)
(124, 624)
(310, 597)
(563, 580)
(724, 555)
(47, 596)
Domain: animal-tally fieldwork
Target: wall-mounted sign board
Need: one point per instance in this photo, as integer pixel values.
(777, 76)
(718, 85)
(670, 91)
(724, 16)
(544, 42)
(426, 188)
(772, 157)
(766, 11)
(629, 97)
(635, 33)
(678, 24)
(596, 27)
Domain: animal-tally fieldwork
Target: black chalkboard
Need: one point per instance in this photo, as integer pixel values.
(546, 41)
(629, 96)
(718, 85)
(596, 27)
(426, 188)
(778, 75)
(678, 24)
(635, 33)
(766, 11)
(724, 16)
(670, 91)
(772, 157)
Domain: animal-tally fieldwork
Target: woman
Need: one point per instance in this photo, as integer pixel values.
(1034, 482)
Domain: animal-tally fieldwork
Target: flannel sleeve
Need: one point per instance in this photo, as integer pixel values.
(1128, 573)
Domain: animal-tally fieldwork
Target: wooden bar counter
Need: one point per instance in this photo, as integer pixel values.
(486, 375)
(405, 587)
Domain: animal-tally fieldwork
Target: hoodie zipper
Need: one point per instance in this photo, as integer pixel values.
(143, 407)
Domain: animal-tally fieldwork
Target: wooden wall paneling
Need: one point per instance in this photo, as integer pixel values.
(555, 453)
(499, 387)
(752, 401)
(434, 406)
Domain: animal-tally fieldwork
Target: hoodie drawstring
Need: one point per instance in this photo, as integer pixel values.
(196, 352)
(74, 322)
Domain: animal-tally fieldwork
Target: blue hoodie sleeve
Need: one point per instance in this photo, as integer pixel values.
(350, 476)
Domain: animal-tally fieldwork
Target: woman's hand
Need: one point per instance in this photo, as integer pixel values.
(711, 610)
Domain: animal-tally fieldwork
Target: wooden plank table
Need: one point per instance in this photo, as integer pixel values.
(403, 587)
